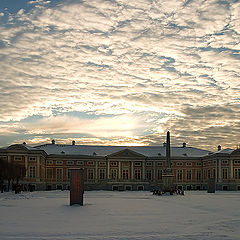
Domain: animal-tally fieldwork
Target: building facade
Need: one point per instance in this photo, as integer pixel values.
(124, 168)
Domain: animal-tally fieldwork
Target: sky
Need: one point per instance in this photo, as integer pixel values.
(118, 72)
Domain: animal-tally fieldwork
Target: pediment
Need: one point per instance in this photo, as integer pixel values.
(17, 147)
(126, 153)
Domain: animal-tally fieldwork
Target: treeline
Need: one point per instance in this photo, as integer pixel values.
(10, 172)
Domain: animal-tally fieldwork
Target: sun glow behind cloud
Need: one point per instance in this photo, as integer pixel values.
(134, 69)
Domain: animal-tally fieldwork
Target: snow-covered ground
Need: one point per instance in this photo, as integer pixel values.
(120, 215)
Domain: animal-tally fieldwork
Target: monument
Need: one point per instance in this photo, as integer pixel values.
(211, 185)
(76, 186)
(167, 176)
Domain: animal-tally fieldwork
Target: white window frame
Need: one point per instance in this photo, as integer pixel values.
(70, 162)
(80, 163)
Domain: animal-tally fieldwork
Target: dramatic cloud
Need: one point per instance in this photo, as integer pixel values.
(133, 69)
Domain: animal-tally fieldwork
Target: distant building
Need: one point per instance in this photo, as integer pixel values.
(125, 168)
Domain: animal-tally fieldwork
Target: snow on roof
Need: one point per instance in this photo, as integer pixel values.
(148, 151)
(226, 150)
(19, 147)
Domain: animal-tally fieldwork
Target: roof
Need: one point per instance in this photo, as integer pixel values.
(148, 151)
(227, 151)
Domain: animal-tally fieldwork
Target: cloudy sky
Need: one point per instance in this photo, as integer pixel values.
(120, 72)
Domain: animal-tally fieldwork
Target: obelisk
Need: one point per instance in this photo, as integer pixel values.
(168, 174)
(168, 152)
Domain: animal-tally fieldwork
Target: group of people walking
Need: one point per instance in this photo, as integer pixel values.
(172, 191)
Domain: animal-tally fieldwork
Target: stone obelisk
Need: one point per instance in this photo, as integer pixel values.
(168, 174)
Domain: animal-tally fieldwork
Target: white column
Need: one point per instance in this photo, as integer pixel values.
(231, 169)
(119, 170)
(132, 163)
(154, 171)
(96, 171)
(143, 171)
(38, 167)
(108, 169)
(219, 170)
(216, 173)
(26, 165)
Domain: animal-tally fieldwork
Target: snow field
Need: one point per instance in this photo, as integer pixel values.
(120, 216)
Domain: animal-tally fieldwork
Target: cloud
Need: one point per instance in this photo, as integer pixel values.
(153, 60)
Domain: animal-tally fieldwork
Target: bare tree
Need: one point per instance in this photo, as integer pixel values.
(10, 172)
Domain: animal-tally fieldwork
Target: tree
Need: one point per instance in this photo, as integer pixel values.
(10, 172)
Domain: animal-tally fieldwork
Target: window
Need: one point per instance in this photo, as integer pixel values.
(179, 175)
(188, 164)
(59, 162)
(59, 173)
(102, 163)
(214, 173)
(49, 162)
(199, 175)
(90, 174)
(90, 163)
(68, 173)
(159, 164)
(225, 173)
(137, 164)
(209, 173)
(70, 162)
(237, 173)
(209, 162)
(49, 173)
(18, 158)
(149, 174)
(113, 173)
(236, 162)
(101, 174)
(159, 174)
(125, 174)
(204, 163)
(224, 161)
(113, 164)
(138, 174)
(199, 164)
(32, 171)
(32, 158)
(189, 175)
(148, 164)
(204, 174)
(179, 163)
(80, 163)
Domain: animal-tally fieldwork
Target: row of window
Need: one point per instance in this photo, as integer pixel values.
(91, 163)
(102, 174)
(102, 163)
(112, 164)
(19, 158)
(138, 174)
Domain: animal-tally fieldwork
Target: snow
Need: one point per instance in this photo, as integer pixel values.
(110, 215)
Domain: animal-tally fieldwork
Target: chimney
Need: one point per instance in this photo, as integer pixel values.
(219, 147)
(24, 143)
(53, 141)
(73, 142)
(184, 145)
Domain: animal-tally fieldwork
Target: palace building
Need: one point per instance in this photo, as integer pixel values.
(125, 168)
